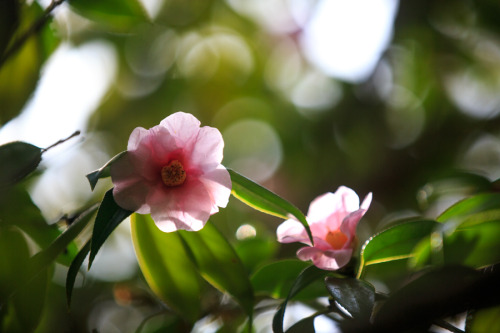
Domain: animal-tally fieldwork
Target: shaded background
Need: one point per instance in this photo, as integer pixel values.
(395, 98)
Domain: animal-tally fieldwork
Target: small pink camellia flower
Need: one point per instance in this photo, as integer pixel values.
(332, 218)
(173, 171)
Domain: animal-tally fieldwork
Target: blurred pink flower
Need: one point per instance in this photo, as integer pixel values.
(333, 218)
(173, 171)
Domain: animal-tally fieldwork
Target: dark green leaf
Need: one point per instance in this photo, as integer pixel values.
(356, 296)
(167, 267)
(19, 159)
(305, 325)
(264, 200)
(276, 279)
(9, 20)
(395, 243)
(102, 172)
(438, 293)
(73, 270)
(109, 216)
(305, 278)
(219, 264)
(469, 206)
(118, 14)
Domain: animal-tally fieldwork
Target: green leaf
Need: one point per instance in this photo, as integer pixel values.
(19, 159)
(469, 206)
(109, 216)
(484, 321)
(305, 278)
(102, 172)
(21, 310)
(30, 220)
(167, 267)
(255, 251)
(118, 14)
(473, 243)
(219, 264)
(276, 279)
(73, 270)
(395, 243)
(356, 296)
(45, 257)
(264, 200)
(19, 73)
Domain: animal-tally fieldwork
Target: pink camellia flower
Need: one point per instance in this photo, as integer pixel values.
(332, 218)
(173, 171)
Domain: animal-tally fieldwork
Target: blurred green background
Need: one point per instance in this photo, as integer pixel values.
(395, 98)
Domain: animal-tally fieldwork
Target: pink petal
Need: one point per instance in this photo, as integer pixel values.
(184, 127)
(328, 260)
(351, 221)
(292, 231)
(208, 148)
(130, 189)
(340, 203)
(186, 207)
(218, 184)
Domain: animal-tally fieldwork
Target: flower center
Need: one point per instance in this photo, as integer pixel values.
(336, 239)
(173, 174)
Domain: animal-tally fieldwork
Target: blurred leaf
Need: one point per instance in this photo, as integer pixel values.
(305, 278)
(12, 268)
(9, 20)
(19, 74)
(119, 14)
(162, 322)
(167, 267)
(19, 159)
(469, 206)
(219, 264)
(73, 270)
(255, 251)
(395, 243)
(109, 216)
(30, 220)
(181, 13)
(484, 321)
(305, 325)
(30, 301)
(277, 278)
(22, 309)
(45, 257)
(261, 199)
(102, 172)
(473, 243)
(436, 294)
(356, 296)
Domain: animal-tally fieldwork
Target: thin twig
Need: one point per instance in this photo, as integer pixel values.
(447, 326)
(35, 28)
(76, 133)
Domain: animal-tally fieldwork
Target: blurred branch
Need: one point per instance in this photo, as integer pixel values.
(447, 326)
(35, 28)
